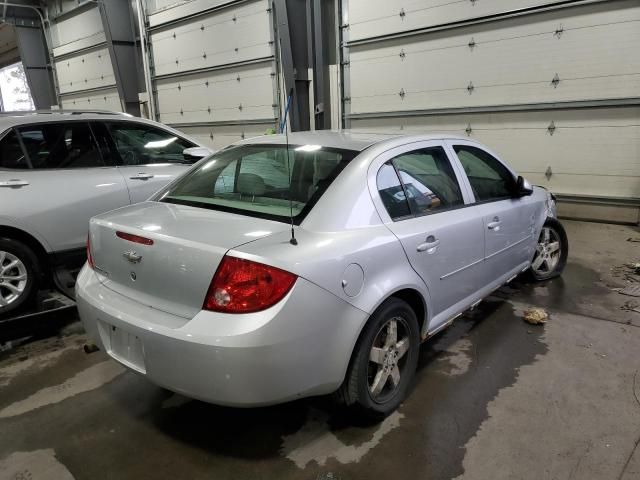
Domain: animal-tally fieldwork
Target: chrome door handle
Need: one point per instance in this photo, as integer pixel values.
(429, 245)
(141, 176)
(495, 224)
(14, 183)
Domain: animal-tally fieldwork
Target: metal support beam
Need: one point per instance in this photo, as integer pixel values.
(35, 59)
(317, 43)
(116, 22)
(292, 39)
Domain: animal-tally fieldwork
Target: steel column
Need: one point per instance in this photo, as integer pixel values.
(116, 22)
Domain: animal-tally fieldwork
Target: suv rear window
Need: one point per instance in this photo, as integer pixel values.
(254, 180)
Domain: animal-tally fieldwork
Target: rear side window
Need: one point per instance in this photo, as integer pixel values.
(11, 154)
(424, 183)
(140, 144)
(61, 146)
(489, 178)
(259, 180)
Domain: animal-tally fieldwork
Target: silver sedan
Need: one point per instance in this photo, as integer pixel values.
(275, 269)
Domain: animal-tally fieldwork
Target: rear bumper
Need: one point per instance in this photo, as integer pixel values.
(300, 347)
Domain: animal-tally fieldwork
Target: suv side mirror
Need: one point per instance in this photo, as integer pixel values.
(196, 153)
(523, 187)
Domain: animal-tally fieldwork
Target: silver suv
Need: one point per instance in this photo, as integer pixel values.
(59, 169)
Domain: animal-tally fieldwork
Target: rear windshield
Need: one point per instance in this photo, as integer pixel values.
(257, 180)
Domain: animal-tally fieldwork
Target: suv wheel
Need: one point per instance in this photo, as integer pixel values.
(18, 275)
(384, 360)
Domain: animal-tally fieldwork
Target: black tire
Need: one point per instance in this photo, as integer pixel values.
(30, 261)
(355, 391)
(558, 234)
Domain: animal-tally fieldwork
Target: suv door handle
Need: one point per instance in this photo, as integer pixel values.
(429, 245)
(495, 224)
(14, 183)
(141, 176)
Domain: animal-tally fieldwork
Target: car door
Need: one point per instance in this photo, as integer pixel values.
(422, 203)
(149, 157)
(54, 179)
(508, 219)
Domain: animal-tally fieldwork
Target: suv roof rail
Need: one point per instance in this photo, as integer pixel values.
(53, 112)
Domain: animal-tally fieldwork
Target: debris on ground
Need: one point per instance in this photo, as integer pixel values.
(633, 239)
(628, 271)
(631, 306)
(631, 290)
(535, 316)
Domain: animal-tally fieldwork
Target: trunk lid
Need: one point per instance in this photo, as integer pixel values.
(174, 273)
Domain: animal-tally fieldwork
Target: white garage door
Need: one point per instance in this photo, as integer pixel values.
(554, 90)
(215, 75)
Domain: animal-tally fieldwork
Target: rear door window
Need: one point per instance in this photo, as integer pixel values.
(61, 146)
(11, 153)
(424, 183)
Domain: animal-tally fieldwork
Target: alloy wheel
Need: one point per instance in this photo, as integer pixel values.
(387, 359)
(548, 252)
(13, 278)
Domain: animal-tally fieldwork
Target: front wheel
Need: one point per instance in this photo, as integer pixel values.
(384, 360)
(18, 275)
(551, 253)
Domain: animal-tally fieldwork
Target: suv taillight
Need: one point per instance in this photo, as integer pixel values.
(89, 256)
(243, 286)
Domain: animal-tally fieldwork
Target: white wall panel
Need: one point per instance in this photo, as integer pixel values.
(231, 35)
(85, 71)
(592, 152)
(77, 31)
(221, 136)
(371, 18)
(512, 61)
(107, 99)
(163, 11)
(241, 93)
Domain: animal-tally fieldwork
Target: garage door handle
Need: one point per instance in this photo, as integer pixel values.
(14, 183)
(495, 225)
(430, 245)
(141, 176)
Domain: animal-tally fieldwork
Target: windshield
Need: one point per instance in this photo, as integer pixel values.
(254, 180)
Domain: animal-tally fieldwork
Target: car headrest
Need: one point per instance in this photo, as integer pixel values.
(251, 184)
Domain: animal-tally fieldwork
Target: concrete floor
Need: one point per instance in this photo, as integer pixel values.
(495, 398)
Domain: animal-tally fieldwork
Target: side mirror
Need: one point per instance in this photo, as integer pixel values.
(196, 153)
(523, 187)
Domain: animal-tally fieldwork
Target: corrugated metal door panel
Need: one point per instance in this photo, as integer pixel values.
(590, 151)
(241, 93)
(231, 35)
(84, 71)
(77, 31)
(107, 99)
(220, 136)
(371, 18)
(163, 11)
(509, 62)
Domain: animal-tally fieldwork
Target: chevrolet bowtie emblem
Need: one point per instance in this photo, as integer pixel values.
(132, 256)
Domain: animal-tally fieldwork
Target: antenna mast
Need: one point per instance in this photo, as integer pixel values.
(284, 125)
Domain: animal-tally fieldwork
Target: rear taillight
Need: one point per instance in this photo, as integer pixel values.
(243, 286)
(134, 238)
(89, 256)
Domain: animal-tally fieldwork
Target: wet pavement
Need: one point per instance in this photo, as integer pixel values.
(494, 398)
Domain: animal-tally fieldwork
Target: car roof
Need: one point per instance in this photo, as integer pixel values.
(11, 119)
(344, 139)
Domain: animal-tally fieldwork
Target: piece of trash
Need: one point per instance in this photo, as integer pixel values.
(535, 316)
(631, 290)
(631, 305)
(633, 239)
